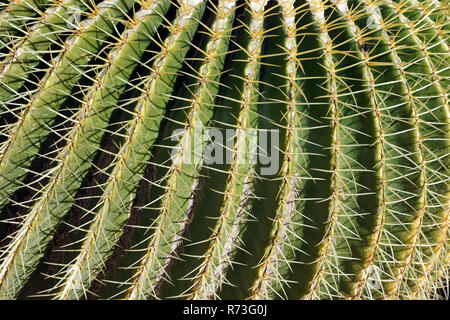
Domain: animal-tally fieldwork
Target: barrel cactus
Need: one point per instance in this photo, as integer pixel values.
(217, 149)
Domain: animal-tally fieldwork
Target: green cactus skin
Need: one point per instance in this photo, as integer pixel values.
(104, 193)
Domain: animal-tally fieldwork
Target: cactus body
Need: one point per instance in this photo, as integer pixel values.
(201, 149)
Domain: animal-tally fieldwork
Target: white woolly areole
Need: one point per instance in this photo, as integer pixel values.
(258, 5)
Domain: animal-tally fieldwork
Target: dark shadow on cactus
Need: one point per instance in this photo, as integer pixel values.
(89, 190)
(95, 203)
(43, 162)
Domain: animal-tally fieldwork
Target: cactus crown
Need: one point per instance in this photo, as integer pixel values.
(200, 149)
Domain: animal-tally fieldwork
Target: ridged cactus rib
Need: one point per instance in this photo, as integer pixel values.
(174, 215)
(354, 131)
(274, 267)
(208, 88)
(229, 187)
(221, 149)
(216, 259)
(391, 136)
(402, 230)
(35, 121)
(363, 258)
(357, 225)
(19, 71)
(431, 232)
(433, 102)
(438, 12)
(312, 163)
(38, 41)
(383, 258)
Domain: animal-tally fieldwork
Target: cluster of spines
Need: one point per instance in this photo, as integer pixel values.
(358, 209)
